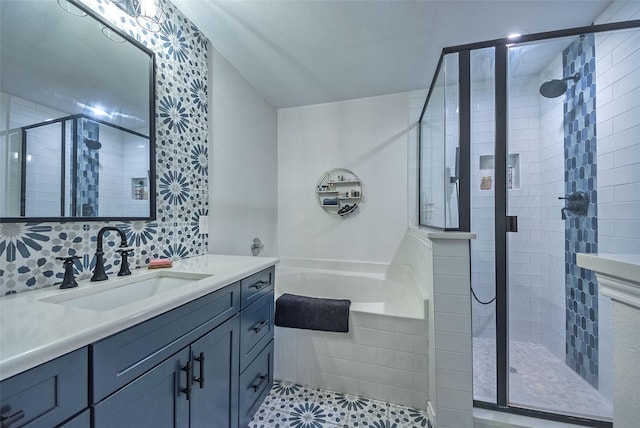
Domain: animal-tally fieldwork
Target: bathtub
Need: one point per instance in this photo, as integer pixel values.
(384, 354)
(369, 293)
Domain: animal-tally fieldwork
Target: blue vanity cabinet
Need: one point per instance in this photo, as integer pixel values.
(195, 387)
(123, 357)
(83, 420)
(214, 395)
(256, 286)
(155, 400)
(46, 395)
(207, 363)
(179, 369)
(256, 328)
(255, 383)
(256, 348)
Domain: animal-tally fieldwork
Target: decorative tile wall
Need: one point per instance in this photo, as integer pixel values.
(581, 230)
(28, 250)
(88, 173)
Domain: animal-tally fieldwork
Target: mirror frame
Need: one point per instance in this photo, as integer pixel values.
(152, 136)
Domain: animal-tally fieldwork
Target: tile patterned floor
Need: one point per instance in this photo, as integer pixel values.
(537, 379)
(299, 406)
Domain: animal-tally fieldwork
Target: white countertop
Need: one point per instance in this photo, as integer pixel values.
(623, 266)
(33, 331)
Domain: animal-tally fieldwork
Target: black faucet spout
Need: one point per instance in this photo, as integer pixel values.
(98, 272)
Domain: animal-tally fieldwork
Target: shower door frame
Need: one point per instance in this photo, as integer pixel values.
(502, 223)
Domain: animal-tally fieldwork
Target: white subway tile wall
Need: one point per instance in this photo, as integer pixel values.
(618, 124)
(453, 349)
(381, 357)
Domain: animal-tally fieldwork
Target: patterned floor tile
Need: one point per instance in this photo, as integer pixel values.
(300, 406)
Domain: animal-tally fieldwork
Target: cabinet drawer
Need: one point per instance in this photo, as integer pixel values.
(255, 383)
(83, 420)
(156, 399)
(46, 395)
(257, 285)
(256, 328)
(119, 359)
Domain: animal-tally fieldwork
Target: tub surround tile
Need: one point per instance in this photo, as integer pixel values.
(385, 365)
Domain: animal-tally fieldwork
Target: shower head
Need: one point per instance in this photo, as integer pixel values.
(92, 144)
(556, 87)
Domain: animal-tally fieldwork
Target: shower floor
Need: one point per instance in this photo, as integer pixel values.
(537, 379)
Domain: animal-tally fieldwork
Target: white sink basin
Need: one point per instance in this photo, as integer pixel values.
(113, 293)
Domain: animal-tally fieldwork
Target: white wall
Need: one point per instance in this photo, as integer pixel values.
(43, 178)
(552, 276)
(524, 247)
(367, 136)
(618, 124)
(618, 151)
(416, 102)
(524, 201)
(242, 163)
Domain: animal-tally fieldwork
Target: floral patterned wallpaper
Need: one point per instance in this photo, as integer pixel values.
(28, 250)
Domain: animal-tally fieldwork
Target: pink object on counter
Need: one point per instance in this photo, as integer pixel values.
(159, 263)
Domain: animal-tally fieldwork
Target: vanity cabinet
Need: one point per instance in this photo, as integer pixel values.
(206, 363)
(195, 387)
(47, 395)
(119, 359)
(256, 344)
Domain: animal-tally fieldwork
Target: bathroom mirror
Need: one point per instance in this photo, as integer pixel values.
(76, 116)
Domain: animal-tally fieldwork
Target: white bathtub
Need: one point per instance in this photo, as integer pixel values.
(384, 354)
(368, 293)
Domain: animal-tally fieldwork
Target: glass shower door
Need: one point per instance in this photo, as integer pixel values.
(554, 355)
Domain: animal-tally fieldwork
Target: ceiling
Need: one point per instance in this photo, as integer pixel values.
(302, 52)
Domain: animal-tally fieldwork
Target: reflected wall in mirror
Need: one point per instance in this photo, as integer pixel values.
(76, 116)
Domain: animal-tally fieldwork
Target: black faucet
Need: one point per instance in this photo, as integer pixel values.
(98, 272)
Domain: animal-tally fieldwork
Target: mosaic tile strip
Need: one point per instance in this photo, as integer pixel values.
(28, 250)
(581, 232)
(88, 173)
(300, 406)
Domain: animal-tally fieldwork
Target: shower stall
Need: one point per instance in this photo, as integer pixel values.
(74, 166)
(532, 144)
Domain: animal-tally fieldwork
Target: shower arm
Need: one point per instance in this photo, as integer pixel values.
(575, 77)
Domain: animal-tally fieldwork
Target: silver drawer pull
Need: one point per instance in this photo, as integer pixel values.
(260, 326)
(261, 379)
(260, 284)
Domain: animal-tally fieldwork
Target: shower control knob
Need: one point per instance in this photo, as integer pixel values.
(577, 203)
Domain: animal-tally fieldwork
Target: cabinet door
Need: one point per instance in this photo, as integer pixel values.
(46, 395)
(214, 401)
(154, 400)
(83, 420)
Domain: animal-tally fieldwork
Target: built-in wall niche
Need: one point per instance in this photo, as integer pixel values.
(487, 172)
(139, 189)
(339, 191)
